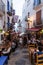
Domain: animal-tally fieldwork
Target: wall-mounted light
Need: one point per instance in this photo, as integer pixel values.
(42, 30)
(29, 20)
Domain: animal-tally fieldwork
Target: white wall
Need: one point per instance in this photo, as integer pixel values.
(1, 23)
(42, 15)
(5, 15)
(24, 14)
(28, 7)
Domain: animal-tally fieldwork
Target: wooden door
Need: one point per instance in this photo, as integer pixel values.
(38, 18)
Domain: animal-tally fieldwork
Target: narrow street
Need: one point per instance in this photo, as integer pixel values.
(19, 57)
(21, 32)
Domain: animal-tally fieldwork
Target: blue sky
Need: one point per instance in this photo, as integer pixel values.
(18, 5)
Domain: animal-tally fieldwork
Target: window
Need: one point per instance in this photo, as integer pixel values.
(28, 2)
(37, 2)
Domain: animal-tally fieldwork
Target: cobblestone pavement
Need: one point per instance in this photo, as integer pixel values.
(19, 57)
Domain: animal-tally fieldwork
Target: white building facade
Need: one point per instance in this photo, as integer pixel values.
(7, 16)
(5, 12)
(33, 11)
(3, 15)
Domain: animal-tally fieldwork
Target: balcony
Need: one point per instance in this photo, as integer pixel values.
(2, 8)
(9, 12)
(37, 4)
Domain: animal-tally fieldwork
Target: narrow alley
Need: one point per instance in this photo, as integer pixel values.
(19, 57)
(21, 32)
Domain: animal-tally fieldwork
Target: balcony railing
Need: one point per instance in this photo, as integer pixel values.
(2, 6)
(37, 4)
(9, 12)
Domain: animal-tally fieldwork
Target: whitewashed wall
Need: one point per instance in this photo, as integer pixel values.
(5, 16)
(28, 7)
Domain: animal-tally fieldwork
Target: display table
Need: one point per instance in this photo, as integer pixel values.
(3, 60)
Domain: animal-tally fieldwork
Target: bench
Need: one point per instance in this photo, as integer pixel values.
(39, 58)
(32, 47)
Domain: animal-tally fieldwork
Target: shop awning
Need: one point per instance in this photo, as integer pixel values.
(34, 29)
